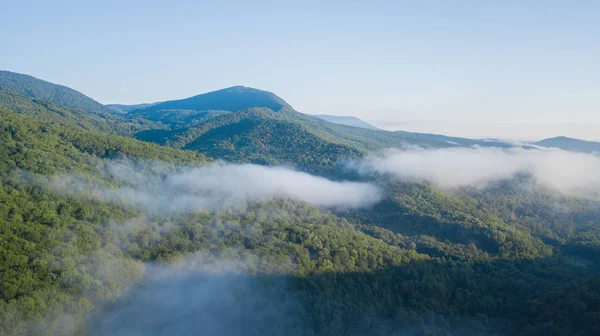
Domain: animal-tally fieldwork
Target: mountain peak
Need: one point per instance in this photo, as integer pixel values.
(570, 144)
(231, 99)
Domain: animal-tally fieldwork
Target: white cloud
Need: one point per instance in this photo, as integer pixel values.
(460, 167)
(222, 186)
(203, 294)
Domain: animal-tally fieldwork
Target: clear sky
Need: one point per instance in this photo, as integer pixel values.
(520, 69)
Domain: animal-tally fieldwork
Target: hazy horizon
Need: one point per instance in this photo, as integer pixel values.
(504, 131)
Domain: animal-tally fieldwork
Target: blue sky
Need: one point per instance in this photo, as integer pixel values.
(520, 69)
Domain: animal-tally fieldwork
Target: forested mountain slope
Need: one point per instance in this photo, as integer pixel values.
(57, 114)
(77, 230)
(257, 136)
(459, 141)
(59, 258)
(178, 122)
(41, 90)
(122, 108)
(264, 136)
(230, 99)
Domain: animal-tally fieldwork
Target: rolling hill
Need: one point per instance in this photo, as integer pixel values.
(38, 89)
(52, 112)
(76, 260)
(234, 134)
(458, 140)
(570, 144)
(230, 99)
(55, 103)
(122, 108)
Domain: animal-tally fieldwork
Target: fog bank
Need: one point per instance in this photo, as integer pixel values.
(221, 186)
(567, 172)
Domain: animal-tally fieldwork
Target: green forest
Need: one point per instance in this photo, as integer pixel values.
(423, 261)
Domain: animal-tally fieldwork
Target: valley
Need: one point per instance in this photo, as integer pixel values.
(232, 205)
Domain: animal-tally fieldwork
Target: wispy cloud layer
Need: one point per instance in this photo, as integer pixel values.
(460, 167)
(222, 186)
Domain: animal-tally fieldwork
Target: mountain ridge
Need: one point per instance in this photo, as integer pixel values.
(499, 259)
(36, 88)
(570, 144)
(347, 120)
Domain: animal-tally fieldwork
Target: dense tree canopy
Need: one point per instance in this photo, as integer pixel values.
(497, 260)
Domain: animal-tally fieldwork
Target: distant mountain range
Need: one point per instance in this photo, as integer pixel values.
(347, 120)
(570, 144)
(207, 118)
(120, 108)
(73, 237)
(460, 141)
(249, 125)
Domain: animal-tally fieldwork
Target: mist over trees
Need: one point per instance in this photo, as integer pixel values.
(308, 228)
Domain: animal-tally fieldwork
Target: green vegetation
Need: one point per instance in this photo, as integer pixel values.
(56, 114)
(499, 260)
(258, 136)
(41, 90)
(286, 137)
(262, 128)
(230, 99)
(176, 119)
(62, 253)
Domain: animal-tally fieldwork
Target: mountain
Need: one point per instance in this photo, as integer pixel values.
(271, 131)
(570, 144)
(41, 90)
(263, 136)
(97, 236)
(194, 110)
(68, 252)
(181, 122)
(256, 135)
(458, 141)
(121, 108)
(230, 99)
(55, 103)
(55, 113)
(177, 118)
(347, 120)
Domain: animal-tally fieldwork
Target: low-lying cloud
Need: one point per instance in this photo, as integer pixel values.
(202, 296)
(568, 172)
(222, 186)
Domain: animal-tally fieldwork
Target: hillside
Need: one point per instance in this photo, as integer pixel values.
(85, 215)
(52, 112)
(458, 140)
(285, 137)
(257, 136)
(63, 255)
(278, 136)
(41, 90)
(174, 119)
(345, 264)
(570, 144)
(121, 108)
(347, 120)
(55, 103)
